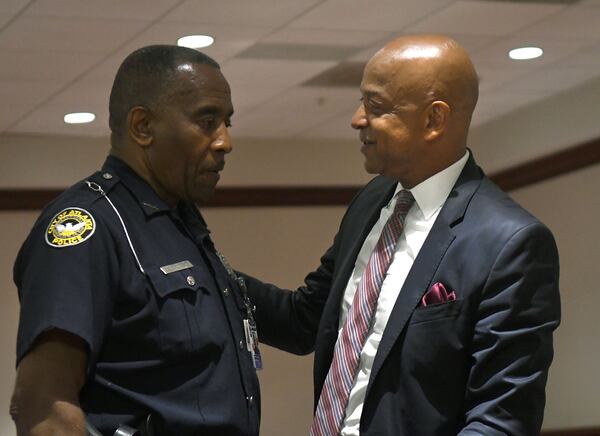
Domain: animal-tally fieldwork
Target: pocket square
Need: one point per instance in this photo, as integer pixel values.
(437, 294)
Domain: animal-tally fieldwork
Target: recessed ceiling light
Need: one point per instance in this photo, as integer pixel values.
(524, 53)
(79, 118)
(195, 41)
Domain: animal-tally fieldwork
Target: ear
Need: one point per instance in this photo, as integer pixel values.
(438, 114)
(139, 125)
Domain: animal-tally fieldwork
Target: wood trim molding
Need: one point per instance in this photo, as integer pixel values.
(553, 165)
(519, 176)
(595, 431)
(260, 196)
(283, 196)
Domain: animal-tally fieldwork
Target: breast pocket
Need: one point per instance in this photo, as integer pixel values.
(177, 294)
(436, 312)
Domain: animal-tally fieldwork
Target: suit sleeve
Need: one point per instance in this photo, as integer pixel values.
(288, 319)
(511, 349)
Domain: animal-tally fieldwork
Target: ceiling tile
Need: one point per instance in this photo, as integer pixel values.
(299, 52)
(106, 70)
(589, 3)
(22, 96)
(44, 65)
(81, 97)
(112, 9)
(491, 77)
(484, 18)
(500, 101)
(354, 38)
(295, 112)
(229, 41)
(67, 35)
(554, 50)
(4, 19)
(572, 22)
(589, 57)
(270, 73)
(344, 74)
(366, 54)
(247, 98)
(376, 15)
(337, 127)
(265, 13)
(472, 42)
(12, 6)
(552, 80)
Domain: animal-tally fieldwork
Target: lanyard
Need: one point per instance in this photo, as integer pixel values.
(250, 329)
(241, 283)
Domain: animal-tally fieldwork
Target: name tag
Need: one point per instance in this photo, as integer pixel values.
(174, 267)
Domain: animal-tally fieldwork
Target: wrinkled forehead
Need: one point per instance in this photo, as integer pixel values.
(380, 74)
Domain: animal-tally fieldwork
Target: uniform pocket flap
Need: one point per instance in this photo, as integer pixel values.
(182, 280)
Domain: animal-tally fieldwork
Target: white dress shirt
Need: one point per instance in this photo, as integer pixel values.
(430, 196)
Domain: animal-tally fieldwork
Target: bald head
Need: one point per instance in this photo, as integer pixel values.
(432, 67)
(419, 93)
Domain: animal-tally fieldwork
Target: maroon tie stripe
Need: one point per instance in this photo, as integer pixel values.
(342, 372)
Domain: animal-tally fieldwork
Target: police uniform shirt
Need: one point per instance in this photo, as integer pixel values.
(167, 341)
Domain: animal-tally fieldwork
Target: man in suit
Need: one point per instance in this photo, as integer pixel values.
(433, 311)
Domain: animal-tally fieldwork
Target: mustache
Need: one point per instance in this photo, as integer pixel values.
(218, 167)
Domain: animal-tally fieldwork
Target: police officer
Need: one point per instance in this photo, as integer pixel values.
(127, 309)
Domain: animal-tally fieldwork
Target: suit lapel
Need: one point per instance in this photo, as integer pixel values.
(426, 264)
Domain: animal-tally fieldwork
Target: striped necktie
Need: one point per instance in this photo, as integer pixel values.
(340, 378)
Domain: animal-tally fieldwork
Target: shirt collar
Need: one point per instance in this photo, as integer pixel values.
(431, 194)
(149, 200)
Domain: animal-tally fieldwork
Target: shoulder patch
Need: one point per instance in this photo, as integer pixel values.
(71, 226)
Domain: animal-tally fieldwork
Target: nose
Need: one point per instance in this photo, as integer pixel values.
(222, 141)
(359, 119)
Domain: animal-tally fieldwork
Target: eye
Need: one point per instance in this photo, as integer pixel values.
(228, 122)
(372, 109)
(207, 123)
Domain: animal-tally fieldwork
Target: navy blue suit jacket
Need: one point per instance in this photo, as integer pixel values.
(474, 366)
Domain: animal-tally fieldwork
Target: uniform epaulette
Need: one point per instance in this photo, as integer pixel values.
(104, 179)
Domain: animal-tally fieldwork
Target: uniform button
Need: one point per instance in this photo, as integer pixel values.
(241, 345)
(250, 400)
(107, 176)
(191, 280)
(226, 292)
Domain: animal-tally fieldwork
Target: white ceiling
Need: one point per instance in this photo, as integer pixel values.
(60, 56)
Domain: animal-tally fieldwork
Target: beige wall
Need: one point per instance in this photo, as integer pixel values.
(14, 226)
